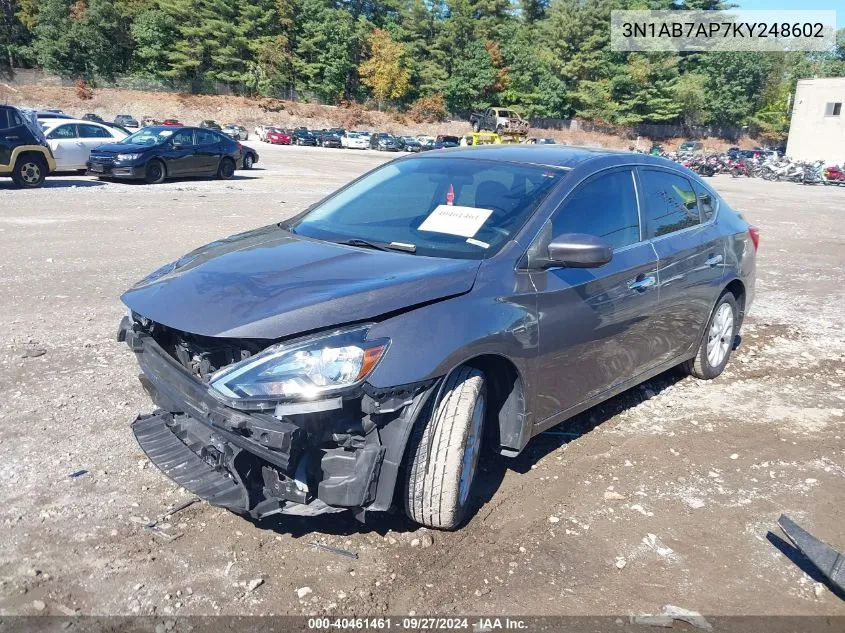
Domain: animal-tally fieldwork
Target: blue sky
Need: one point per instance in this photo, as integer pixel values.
(762, 5)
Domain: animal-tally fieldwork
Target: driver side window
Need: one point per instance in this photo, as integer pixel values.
(605, 206)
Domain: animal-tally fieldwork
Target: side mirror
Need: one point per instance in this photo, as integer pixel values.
(579, 250)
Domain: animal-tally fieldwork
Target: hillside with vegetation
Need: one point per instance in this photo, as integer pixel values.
(547, 58)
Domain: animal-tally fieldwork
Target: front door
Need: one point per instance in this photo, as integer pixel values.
(595, 323)
(691, 255)
(180, 155)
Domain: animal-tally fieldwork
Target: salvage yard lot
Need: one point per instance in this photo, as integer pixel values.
(665, 494)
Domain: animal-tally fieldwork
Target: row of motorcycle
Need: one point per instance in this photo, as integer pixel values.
(768, 168)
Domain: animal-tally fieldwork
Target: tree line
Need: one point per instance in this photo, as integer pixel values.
(546, 58)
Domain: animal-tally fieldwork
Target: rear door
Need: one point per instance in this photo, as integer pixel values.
(7, 136)
(691, 257)
(208, 151)
(596, 323)
(93, 136)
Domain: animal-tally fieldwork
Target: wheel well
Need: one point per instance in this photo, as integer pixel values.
(31, 154)
(506, 401)
(737, 289)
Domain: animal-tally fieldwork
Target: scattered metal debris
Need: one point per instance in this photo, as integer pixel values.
(668, 615)
(335, 550)
(171, 512)
(78, 473)
(826, 559)
(34, 352)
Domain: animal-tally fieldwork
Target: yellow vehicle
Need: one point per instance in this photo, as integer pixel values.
(491, 138)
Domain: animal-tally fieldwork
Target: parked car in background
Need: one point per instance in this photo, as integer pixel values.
(302, 136)
(354, 140)
(72, 141)
(444, 140)
(541, 141)
(210, 124)
(25, 155)
(384, 142)
(691, 147)
(126, 120)
(261, 131)
(154, 154)
(573, 276)
(52, 114)
(172, 123)
(149, 121)
(329, 138)
(409, 144)
(499, 120)
(237, 132)
(275, 136)
(248, 157)
(90, 116)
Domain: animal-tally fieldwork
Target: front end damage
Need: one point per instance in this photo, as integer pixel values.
(299, 458)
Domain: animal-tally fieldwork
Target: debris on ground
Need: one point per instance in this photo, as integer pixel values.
(335, 550)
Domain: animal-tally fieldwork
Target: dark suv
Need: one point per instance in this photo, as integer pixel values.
(24, 153)
(384, 142)
(304, 137)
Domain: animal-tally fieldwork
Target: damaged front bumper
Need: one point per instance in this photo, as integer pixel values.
(258, 464)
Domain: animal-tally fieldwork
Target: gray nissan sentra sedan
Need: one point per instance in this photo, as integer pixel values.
(361, 354)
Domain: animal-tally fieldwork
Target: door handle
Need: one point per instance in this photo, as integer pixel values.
(641, 283)
(714, 260)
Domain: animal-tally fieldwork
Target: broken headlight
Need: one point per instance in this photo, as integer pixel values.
(302, 369)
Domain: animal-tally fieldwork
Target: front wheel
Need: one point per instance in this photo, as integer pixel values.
(476, 127)
(444, 450)
(226, 169)
(718, 341)
(155, 172)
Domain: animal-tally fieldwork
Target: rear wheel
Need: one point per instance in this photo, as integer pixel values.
(226, 169)
(444, 450)
(716, 345)
(155, 172)
(30, 171)
(248, 161)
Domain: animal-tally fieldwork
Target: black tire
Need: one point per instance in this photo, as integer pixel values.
(476, 127)
(226, 169)
(444, 451)
(248, 161)
(499, 129)
(703, 365)
(155, 172)
(30, 171)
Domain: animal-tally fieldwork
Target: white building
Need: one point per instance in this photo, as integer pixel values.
(817, 129)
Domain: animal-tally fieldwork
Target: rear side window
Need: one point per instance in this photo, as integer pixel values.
(706, 202)
(92, 131)
(204, 137)
(670, 202)
(605, 206)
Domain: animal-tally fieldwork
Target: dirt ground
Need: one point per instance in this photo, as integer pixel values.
(669, 493)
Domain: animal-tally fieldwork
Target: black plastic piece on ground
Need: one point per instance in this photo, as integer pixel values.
(826, 559)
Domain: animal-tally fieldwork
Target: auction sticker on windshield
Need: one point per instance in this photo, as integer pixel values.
(454, 220)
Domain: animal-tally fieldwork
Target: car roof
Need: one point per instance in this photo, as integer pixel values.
(564, 156)
(57, 122)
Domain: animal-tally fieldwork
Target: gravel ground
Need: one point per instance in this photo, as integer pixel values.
(665, 494)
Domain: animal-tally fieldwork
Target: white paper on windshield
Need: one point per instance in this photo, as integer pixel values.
(454, 220)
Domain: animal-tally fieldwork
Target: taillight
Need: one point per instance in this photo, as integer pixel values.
(754, 234)
(241, 147)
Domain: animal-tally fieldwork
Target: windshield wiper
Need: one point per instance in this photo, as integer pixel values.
(379, 246)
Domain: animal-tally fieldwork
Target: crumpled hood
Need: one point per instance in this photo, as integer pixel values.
(269, 283)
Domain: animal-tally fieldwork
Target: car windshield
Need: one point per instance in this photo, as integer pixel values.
(445, 207)
(147, 136)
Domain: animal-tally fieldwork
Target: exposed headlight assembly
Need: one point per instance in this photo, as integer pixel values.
(301, 370)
